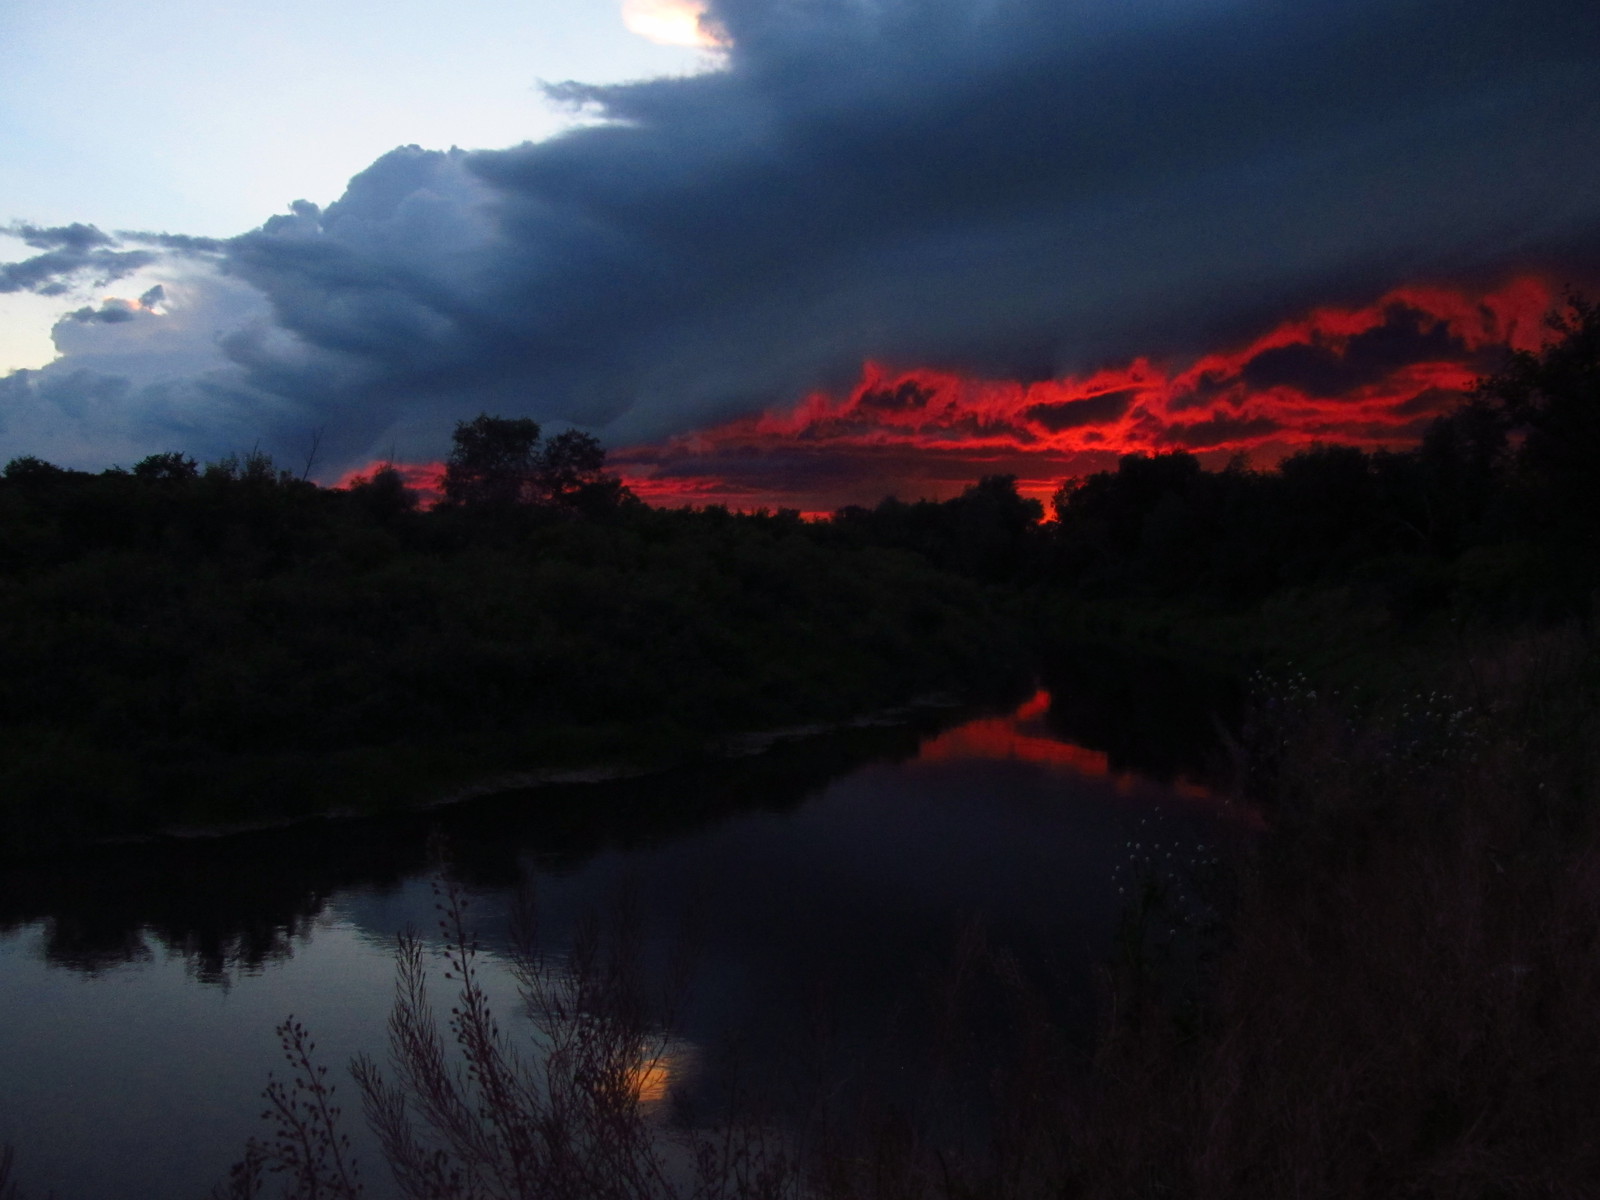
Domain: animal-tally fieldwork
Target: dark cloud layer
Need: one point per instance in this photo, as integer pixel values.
(1409, 356)
(1071, 414)
(1319, 369)
(72, 254)
(1013, 188)
(1219, 429)
(107, 314)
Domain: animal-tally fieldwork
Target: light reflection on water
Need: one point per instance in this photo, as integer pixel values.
(132, 1072)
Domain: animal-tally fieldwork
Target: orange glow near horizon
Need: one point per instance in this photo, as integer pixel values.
(1373, 376)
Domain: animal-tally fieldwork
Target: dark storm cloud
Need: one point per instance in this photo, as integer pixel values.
(109, 313)
(1073, 414)
(1406, 336)
(908, 396)
(69, 396)
(939, 182)
(986, 184)
(1428, 402)
(72, 254)
(182, 242)
(1211, 387)
(1220, 430)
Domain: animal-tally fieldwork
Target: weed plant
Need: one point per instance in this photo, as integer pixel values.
(576, 1113)
(1407, 1008)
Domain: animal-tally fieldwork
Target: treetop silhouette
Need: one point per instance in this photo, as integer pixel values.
(506, 463)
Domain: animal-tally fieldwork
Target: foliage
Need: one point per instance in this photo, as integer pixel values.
(1510, 474)
(1412, 971)
(493, 463)
(308, 1147)
(1551, 397)
(170, 465)
(237, 643)
(989, 532)
(498, 464)
(199, 644)
(573, 1115)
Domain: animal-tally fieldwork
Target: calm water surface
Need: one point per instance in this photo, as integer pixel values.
(140, 989)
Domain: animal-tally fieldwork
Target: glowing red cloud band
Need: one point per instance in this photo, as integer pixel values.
(1373, 376)
(426, 479)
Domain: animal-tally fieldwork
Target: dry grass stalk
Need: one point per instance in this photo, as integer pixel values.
(477, 1118)
(1408, 1009)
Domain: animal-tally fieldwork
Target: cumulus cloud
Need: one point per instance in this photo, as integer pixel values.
(135, 376)
(1023, 189)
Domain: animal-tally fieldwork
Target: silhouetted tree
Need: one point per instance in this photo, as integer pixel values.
(1457, 468)
(494, 462)
(991, 524)
(1552, 396)
(28, 470)
(502, 463)
(568, 462)
(170, 465)
(383, 496)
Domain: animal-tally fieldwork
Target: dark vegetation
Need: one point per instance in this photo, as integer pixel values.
(1496, 513)
(1403, 1000)
(235, 643)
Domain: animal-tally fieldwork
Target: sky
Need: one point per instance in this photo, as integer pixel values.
(789, 252)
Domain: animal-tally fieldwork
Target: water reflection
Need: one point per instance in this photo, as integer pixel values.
(1153, 717)
(232, 905)
(824, 900)
(225, 907)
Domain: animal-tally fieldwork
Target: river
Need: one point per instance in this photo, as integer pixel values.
(141, 986)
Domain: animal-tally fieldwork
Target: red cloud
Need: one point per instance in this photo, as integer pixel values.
(426, 479)
(1372, 375)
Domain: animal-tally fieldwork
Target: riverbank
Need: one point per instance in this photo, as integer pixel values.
(397, 788)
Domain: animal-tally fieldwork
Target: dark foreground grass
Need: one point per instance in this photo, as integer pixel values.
(1408, 1008)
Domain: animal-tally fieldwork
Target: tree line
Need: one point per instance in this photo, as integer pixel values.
(190, 642)
(197, 645)
(1497, 509)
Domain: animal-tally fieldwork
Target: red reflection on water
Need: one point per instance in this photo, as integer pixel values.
(1020, 736)
(1006, 737)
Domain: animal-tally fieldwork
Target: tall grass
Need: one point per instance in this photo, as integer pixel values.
(1408, 1008)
